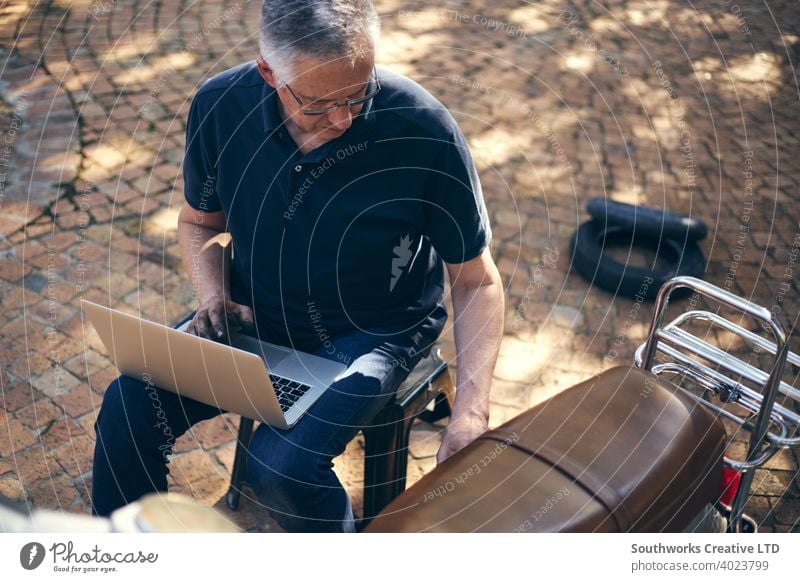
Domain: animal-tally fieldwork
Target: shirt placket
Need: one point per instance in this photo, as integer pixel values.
(298, 167)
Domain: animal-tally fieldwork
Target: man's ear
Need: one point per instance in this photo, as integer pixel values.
(266, 72)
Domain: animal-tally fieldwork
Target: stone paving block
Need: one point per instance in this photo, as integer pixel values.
(216, 431)
(118, 284)
(785, 511)
(193, 467)
(148, 273)
(51, 260)
(72, 220)
(78, 400)
(13, 489)
(65, 347)
(75, 457)
(783, 460)
(59, 241)
(83, 485)
(768, 481)
(15, 437)
(35, 463)
(87, 421)
(60, 432)
(224, 455)
(55, 382)
(39, 415)
(10, 225)
(16, 393)
(31, 365)
(762, 507)
(13, 270)
(50, 312)
(185, 442)
(7, 466)
(130, 245)
(87, 364)
(99, 381)
(90, 252)
(16, 328)
(55, 493)
(14, 350)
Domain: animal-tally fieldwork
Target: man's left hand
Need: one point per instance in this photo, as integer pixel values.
(459, 433)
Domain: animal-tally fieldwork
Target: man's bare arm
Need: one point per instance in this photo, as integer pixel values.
(479, 308)
(206, 254)
(205, 250)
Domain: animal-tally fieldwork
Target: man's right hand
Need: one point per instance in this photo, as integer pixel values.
(215, 316)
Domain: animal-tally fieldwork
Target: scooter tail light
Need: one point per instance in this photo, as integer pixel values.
(729, 485)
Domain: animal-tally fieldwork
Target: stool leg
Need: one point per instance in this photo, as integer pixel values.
(239, 462)
(386, 441)
(401, 459)
(381, 460)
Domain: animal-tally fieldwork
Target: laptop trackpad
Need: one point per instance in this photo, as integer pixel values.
(270, 353)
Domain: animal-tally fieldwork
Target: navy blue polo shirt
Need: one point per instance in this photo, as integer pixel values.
(350, 235)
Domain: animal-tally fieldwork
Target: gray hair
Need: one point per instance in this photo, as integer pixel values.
(325, 29)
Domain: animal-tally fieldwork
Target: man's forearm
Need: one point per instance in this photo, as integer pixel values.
(206, 258)
(478, 314)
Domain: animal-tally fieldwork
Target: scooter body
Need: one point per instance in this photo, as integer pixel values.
(629, 450)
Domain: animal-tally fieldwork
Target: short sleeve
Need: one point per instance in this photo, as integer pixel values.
(457, 221)
(199, 169)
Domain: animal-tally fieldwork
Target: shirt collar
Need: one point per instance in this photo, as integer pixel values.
(269, 109)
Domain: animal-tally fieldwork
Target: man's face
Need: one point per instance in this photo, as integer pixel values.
(319, 84)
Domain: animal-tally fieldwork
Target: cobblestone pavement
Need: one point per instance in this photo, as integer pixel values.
(687, 106)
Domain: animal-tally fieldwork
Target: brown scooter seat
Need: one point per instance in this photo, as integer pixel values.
(624, 451)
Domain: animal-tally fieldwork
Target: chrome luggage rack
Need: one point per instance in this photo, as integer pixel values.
(730, 379)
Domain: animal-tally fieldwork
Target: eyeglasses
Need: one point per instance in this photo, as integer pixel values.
(348, 102)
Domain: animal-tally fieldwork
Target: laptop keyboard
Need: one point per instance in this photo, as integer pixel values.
(288, 391)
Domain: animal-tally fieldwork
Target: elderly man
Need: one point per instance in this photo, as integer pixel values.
(343, 190)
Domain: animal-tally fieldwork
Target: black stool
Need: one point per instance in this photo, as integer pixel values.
(385, 438)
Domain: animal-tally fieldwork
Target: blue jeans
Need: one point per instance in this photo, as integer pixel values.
(290, 471)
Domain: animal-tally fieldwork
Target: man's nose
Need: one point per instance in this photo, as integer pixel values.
(341, 117)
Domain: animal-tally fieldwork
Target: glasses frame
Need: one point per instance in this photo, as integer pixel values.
(350, 103)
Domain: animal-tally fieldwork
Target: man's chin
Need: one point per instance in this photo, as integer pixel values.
(328, 134)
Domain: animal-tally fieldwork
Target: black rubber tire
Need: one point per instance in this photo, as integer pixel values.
(660, 223)
(588, 260)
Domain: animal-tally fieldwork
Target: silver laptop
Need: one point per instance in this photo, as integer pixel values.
(256, 379)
